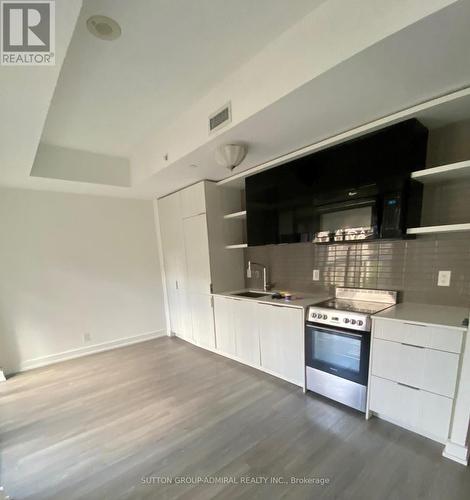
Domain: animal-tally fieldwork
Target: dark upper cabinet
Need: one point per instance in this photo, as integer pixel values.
(283, 203)
(262, 199)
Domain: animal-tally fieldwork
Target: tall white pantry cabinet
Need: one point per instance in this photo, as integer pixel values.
(196, 262)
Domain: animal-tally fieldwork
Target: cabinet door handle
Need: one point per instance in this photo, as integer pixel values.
(415, 324)
(413, 345)
(177, 286)
(409, 386)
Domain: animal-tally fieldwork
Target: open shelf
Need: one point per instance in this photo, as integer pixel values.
(236, 215)
(241, 245)
(448, 228)
(453, 171)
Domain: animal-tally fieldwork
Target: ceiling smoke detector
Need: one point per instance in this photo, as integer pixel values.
(230, 155)
(103, 27)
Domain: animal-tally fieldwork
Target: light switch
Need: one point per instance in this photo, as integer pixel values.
(316, 275)
(443, 278)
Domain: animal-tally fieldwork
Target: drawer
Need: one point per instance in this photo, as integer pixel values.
(428, 369)
(441, 338)
(418, 410)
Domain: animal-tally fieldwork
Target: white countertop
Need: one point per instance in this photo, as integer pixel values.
(304, 300)
(448, 316)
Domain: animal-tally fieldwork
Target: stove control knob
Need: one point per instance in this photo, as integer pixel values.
(346, 320)
(353, 322)
(325, 316)
(360, 322)
(314, 315)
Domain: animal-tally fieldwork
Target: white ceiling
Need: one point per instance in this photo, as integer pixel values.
(110, 94)
(426, 60)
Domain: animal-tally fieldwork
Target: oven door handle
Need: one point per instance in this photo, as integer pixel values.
(336, 331)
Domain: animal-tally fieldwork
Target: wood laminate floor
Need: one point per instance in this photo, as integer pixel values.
(108, 426)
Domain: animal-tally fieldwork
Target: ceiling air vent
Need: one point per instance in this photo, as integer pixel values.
(220, 118)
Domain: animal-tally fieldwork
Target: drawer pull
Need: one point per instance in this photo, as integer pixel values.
(413, 345)
(415, 324)
(409, 386)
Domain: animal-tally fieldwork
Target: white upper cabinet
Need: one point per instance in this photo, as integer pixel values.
(171, 230)
(174, 258)
(193, 200)
(193, 240)
(196, 244)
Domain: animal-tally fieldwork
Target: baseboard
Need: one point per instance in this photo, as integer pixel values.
(242, 361)
(398, 423)
(30, 364)
(456, 452)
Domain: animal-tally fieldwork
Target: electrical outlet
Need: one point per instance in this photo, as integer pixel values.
(316, 275)
(443, 278)
(87, 337)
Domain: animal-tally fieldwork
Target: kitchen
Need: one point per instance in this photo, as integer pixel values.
(235, 256)
(352, 282)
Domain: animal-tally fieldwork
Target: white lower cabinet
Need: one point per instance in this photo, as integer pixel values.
(246, 331)
(224, 325)
(421, 411)
(428, 369)
(431, 336)
(413, 375)
(264, 335)
(282, 341)
(202, 317)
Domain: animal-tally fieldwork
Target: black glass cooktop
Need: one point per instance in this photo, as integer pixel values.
(357, 306)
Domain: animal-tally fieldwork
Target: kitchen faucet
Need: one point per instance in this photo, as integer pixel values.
(266, 285)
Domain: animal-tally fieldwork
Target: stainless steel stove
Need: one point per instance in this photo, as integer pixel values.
(351, 308)
(337, 339)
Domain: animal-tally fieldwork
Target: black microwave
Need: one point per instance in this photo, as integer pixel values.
(288, 204)
(367, 212)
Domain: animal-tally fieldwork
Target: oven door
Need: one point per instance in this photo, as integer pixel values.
(339, 352)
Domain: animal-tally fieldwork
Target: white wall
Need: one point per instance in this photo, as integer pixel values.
(74, 264)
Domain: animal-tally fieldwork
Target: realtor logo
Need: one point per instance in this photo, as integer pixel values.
(28, 33)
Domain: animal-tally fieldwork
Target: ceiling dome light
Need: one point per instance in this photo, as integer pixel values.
(230, 155)
(103, 27)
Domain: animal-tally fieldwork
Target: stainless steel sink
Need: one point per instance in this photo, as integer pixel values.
(251, 295)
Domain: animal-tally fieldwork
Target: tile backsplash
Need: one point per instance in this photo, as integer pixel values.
(408, 266)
